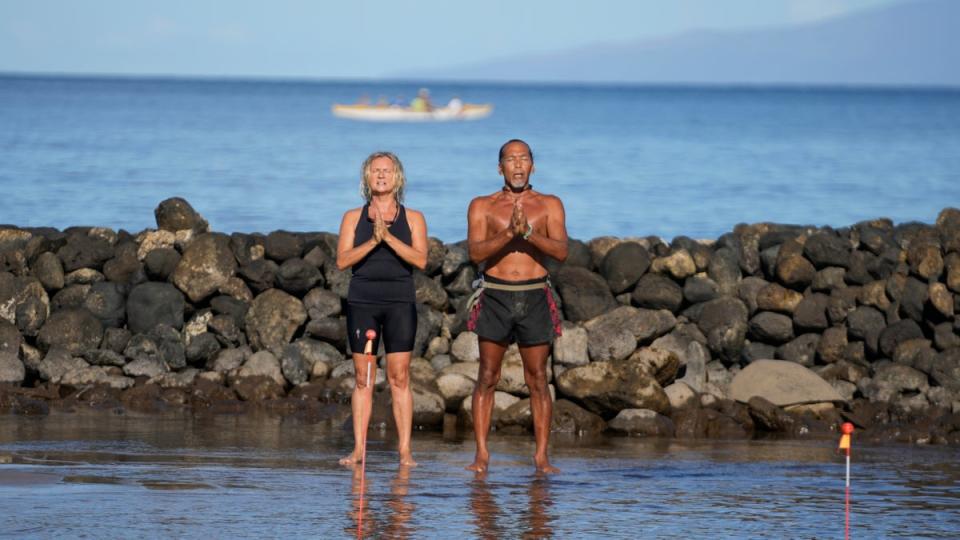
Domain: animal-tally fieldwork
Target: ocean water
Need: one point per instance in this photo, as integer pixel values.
(627, 161)
(98, 475)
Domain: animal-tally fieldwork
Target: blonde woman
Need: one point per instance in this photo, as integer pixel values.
(382, 242)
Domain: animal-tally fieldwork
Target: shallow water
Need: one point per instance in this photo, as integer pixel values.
(100, 475)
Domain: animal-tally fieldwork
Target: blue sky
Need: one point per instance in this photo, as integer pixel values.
(350, 39)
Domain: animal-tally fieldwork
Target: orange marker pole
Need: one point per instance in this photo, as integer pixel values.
(847, 430)
(368, 351)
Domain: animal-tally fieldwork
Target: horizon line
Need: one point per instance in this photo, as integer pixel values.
(733, 85)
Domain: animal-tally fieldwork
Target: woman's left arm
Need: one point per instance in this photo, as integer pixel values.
(416, 253)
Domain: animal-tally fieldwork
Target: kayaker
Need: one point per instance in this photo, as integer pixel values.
(511, 233)
(382, 241)
(421, 103)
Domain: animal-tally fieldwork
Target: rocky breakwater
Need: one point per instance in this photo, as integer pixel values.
(769, 329)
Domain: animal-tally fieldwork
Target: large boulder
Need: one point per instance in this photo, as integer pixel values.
(454, 387)
(321, 303)
(609, 387)
(724, 269)
(866, 323)
(795, 272)
(49, 270)
(57, 363)
(775, 297)
(895, 334)
(697, 289)
(74, 330)
(654, 291)
(296, 276)
(771, 327)
(206, 265)
(428, 406)
(781, 383)
(585, 294)
(282, 246)
(691, 354)
(176, 214)
(643, 422)
(151, 303)
(12, 370)
(571, 348)
(106, 301)
(265, 364)
(811, 312)
(23, 302)
(614, 335)
(84, 251)
(891, 380)
(825, 249)
(568, 417)
(466, 348)
(273, 318)
(679, 264)
(945, 369)
(429, 291)
(724, 322)
(623, 265)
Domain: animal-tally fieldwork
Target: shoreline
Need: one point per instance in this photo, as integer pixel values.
(861, 321)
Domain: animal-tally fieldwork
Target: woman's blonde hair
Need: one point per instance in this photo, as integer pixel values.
(401, 180)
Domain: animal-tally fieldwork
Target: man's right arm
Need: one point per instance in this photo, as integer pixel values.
(480, 247)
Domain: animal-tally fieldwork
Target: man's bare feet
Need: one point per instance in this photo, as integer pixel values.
(544, 466)
(350, 460)
(480, 463)
(407, 460)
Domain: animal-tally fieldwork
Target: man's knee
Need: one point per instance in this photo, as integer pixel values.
(487, 379)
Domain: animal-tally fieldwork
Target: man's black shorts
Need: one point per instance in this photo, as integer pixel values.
(526, 317)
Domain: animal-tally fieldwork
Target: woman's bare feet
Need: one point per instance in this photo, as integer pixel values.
(350, 460)
(406, 460)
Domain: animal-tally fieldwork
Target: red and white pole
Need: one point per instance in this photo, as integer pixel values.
(845, 442)
(368, 352)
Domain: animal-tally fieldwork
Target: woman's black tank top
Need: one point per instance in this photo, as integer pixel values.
(382, 277)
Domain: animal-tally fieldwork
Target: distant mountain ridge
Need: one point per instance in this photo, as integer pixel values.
(915, 43)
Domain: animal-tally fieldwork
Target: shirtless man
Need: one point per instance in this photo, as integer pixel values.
(510, 233)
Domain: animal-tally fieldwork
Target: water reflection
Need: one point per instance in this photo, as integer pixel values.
(486, 511)
(268, 469)
(401, 508)
(539, 516)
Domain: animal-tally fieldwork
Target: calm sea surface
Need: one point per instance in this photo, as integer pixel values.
(260, 156)
(96, 475)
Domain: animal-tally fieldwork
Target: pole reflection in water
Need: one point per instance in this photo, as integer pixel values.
(360, 515)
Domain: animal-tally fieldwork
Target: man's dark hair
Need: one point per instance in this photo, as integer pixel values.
(511, 141)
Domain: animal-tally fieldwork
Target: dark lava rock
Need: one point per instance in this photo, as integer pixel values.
(82, 251)
(724, 269)
(802, 350)
(176, 214)
(75, 330)
(260, 274)
(115, 339)
(757, 351)
(152, 303)
(333, 330)
(897, 333)
(795, 272)
(771, 327)
(106, 301)
(697, 289)
(321, 303)
(827, 249)
(811, 312)
(915, 294)
(202, 348)
(623, 266)
(207, 264)
(655, 291)
(49, 270)
(282, 245)
(724, 322)
(124, 266)
(866, 323)
(748, 290)
(769, 417)
(585, 294)
(161, 262)
(297, 276)
(429, 291)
